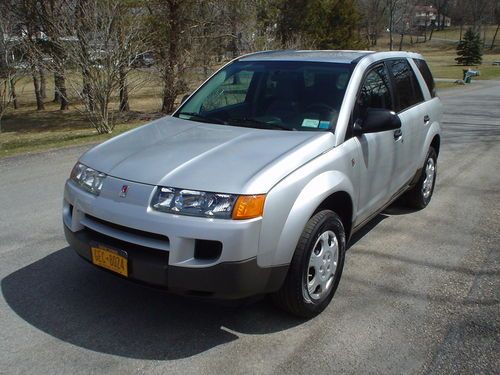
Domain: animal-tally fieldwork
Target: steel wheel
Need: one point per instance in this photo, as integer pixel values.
(430, 173)
(316, 267)
(322, 265)
(420, 194)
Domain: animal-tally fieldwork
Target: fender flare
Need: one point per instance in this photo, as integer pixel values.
(434, 130)
(309, 199)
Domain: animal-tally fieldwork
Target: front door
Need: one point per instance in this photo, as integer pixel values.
(377, 150)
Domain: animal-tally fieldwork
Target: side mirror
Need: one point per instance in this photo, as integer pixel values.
(377, 120)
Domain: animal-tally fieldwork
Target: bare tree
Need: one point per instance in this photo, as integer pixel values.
(102, 39)
(33, 39)
(110, 40)
(50, 12)
(8, 71)
(497, 21)
(392, 7)
(373, 18)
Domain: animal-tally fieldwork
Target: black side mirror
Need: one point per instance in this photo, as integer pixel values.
(377, 120)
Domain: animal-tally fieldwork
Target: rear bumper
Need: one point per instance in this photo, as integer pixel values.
(227, 280)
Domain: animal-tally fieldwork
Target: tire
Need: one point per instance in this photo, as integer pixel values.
(420, 195)
(307, 290)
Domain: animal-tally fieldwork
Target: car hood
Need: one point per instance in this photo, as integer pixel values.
(210, 157)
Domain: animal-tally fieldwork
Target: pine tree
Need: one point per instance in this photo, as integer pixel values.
(469, 49)
(320, 24)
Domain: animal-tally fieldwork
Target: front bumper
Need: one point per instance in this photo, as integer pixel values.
(228, 280)
(161, 247)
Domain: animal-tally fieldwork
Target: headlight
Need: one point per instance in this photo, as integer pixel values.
(87, 178)
(206, 204)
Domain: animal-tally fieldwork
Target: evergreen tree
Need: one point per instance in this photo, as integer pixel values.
(333, 24)
(318, 24)
(469, 49)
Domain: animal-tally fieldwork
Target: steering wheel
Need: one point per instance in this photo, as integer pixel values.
(322, 107)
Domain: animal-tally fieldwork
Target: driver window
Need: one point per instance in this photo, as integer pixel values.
(375, 91)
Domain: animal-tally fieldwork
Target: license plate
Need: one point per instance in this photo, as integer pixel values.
(111, 259)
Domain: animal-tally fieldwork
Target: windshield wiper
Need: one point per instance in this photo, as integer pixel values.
(251, 121)
(203, 118)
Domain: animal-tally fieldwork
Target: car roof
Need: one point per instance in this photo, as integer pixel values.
(331, 56)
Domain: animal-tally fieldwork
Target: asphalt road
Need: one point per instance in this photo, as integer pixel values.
(419, 294)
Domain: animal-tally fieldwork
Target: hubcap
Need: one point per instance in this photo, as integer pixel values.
(322, 265)
(430, 172)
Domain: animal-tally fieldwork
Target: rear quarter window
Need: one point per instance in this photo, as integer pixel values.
(426, 73)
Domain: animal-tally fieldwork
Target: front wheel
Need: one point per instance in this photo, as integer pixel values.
(420, 195)
(316, 267)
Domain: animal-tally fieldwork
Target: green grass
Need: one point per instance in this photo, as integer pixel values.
(453, 34)
(446, 85)
(442, 65)
(441, 54)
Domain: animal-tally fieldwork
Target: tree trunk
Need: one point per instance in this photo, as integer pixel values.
(494, 37)
(124, 104)
(425, 30)
(169, 93)
(43, 83)
(390, 34)
(13, 93)
(461, 30)
(87, 91)
(401, 42)
(169, 78)
(63, 95)
(57, 94)
(38, 94)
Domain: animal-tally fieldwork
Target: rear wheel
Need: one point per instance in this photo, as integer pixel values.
(420, 195)
(316, 267)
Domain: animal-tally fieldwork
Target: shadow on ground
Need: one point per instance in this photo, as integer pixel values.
(71, 300)
(74, 302)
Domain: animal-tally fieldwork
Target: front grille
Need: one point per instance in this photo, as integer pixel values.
(122, 228)
(127, 234)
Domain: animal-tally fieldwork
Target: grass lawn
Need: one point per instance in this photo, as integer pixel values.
(29, 130)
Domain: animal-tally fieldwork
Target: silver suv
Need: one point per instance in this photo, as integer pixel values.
(257, 182)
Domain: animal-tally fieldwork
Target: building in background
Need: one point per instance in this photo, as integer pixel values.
(427, 15)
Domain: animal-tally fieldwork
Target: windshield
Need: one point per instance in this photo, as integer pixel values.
(287, 95)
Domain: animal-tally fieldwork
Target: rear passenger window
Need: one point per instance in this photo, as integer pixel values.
(375, 92)
(406, 88)
(426, 73)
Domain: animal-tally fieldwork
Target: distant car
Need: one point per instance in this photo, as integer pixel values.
(145, 60)
(257, 182)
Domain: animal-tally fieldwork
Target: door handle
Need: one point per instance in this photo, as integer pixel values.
(427, 119)
(398, 135)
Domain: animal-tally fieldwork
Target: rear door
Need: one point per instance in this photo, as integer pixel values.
(410, 107)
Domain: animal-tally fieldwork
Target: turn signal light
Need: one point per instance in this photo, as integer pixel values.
(248, 207)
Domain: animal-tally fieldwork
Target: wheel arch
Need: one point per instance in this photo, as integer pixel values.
(330, 190)
(436, 143)
(341, 203)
